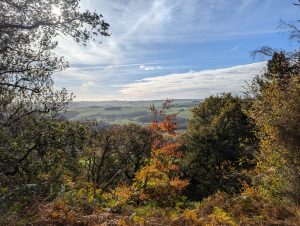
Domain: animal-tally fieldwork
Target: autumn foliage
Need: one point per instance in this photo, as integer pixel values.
(159, 180)
(168, 124)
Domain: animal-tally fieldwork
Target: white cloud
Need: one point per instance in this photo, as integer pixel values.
(149, 68)
(143, 66)
(88, 85)
(192, 84)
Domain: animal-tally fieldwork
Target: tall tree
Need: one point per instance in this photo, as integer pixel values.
(219, 145)
(29, 105)
(275, 110)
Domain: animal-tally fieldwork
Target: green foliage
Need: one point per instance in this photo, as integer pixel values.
(220, 217)
(275, 111)
(219, 145)
(38, 150)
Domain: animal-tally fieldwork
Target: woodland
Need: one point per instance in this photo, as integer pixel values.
(236, 163)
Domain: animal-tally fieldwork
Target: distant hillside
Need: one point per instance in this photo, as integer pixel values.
(122, 112)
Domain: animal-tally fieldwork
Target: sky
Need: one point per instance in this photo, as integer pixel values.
(180, 49)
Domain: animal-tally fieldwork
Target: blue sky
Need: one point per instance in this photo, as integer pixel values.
(174, 48)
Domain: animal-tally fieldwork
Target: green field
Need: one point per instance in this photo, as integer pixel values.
(122, 112)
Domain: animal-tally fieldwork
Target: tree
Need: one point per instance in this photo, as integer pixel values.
(31, 133)
(99, 162)
(275, 110)
(160, 180)
(218, 146)
(27, 38)
(134, 144)
(38, 161)
(115, 154)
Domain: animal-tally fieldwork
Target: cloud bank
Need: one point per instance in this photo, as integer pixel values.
(192, 84)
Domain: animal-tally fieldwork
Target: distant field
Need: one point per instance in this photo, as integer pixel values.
(122, 112)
